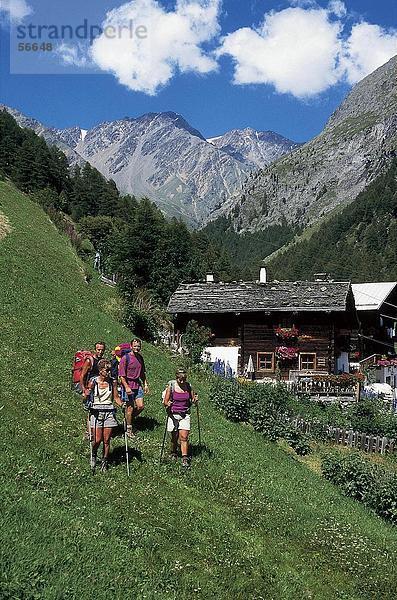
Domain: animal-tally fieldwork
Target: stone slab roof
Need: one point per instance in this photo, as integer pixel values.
(302, 296)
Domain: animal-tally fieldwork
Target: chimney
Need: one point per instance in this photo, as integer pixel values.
(262, 275)
(210, 278)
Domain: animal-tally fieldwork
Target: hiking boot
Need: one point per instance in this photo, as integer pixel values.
(185, 461)
(104, 465)
(173, 456)
(93, 461)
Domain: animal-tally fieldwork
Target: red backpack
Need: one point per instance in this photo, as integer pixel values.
(78, 362)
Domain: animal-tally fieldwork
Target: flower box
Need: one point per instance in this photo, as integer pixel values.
(286, 332)
(286, 352)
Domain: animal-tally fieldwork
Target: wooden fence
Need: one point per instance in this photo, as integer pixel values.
(321, 388)
(350, 438)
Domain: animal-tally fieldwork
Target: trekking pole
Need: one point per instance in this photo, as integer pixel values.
(92, 442)
(164, 437)
(90, 437)
(198, 424)
(127, 458)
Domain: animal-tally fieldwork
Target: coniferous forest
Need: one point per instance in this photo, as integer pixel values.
(358, 244)
(246, 251)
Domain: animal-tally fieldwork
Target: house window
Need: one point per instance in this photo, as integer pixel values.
(265, 361)
(307, 361)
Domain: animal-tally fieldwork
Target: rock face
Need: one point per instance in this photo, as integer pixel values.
(159, 155)
(357, 144)
(254, 148)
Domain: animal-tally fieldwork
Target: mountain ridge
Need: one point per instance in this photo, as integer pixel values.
(161, 156)
(358, 242)
(255, 148)
(356, 145)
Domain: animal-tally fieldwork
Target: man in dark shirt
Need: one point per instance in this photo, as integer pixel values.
(132, 374)
(90, 367)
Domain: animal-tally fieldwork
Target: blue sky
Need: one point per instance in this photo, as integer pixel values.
(281, 66)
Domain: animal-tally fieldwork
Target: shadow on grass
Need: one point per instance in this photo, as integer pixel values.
(117, 455)
(145, 423)
(201, 450)
(140, 424)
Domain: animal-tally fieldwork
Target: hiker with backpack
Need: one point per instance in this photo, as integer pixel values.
(132, 374)
(90, 367)
(103, 393)
(178, 398)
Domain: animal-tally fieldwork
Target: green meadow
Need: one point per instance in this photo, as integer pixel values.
(247, 520)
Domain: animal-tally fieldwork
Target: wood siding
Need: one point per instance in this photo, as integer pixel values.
(260, 337)
(323, 334)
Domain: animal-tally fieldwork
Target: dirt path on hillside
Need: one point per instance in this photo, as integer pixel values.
(5, 226)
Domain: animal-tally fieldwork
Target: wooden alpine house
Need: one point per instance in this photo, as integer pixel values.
(283, 330)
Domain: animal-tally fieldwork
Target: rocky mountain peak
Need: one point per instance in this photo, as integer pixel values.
(255, 148)
(373, 97)
(329, 171)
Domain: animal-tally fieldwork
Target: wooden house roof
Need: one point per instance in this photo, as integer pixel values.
(299, 296)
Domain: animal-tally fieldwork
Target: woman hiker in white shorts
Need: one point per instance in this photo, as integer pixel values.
(178, 399)
(102, 411)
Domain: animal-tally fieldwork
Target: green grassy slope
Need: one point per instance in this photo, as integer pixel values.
(247, 521)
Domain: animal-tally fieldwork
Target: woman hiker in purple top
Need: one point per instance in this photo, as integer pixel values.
(133, 379)
(178, 399)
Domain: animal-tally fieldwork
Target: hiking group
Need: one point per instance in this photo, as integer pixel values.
(123, 382)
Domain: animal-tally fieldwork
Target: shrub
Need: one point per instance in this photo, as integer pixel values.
(351, 472)
(269, 423)
(319, 412)
(142, 315)
(265, 406)
(231, 399)
(268, 409)
(298, 440)
(195, 339)
(364, 416)
(384, 497)
(141, 322)
(361, 479)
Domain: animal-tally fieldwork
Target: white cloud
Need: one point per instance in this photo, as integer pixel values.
(304, 50)
(296, 50)
(16, 10)
(367, 48)
(77, 55)
(337, 8)
(173, 41)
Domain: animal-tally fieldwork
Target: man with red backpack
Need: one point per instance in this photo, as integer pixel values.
(90, 367)
(132, 373)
